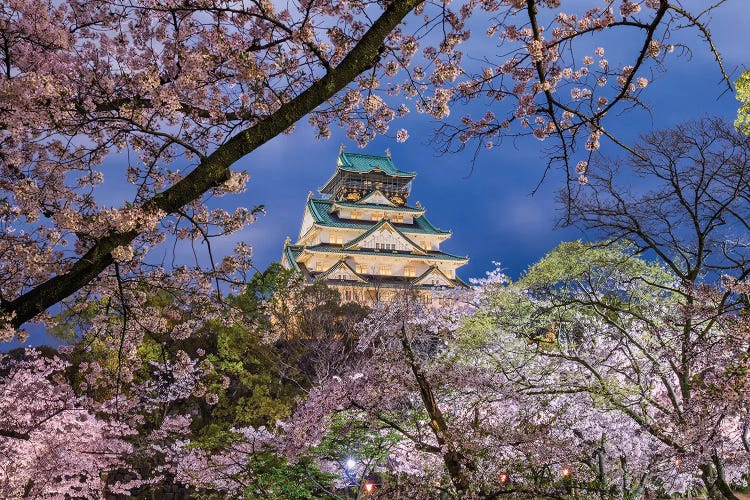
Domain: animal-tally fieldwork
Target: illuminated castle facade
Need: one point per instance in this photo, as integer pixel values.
(364, 239)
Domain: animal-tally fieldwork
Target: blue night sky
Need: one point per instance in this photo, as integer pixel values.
(486, 203)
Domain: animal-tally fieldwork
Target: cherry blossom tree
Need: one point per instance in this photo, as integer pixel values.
(601, 322)
(51, 442)
(463, 419)
(165, 98)
(170, 97)
(86, 85)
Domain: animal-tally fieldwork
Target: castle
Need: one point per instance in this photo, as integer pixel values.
(364, 239)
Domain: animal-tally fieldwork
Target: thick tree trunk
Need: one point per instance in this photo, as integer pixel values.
(452, 458)
(713, 477)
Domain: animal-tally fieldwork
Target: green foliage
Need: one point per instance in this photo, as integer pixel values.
(559, 299)
(277, 479)
(350, 435)
(244, 374)
(573, 266)
(742, 123)
(254, 384)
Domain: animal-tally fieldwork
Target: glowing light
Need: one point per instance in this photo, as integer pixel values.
(350, 463)
(504, 477)
(369, 487)
(566, 472)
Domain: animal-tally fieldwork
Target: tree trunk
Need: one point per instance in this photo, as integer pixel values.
(712, 474)
(452, 458)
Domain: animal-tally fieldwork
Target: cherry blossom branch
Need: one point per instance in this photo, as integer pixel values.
(213, 169)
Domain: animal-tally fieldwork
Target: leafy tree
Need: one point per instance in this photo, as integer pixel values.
(599, 321)
(742, 85)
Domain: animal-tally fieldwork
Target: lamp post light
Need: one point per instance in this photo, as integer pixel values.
(504, 478)
(350, 472)
(369, 487)
(566, 472)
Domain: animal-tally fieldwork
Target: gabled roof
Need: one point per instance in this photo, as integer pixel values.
(384, 225)
(321, 211)
(434, 270)
(362, 163)
(376, 198)
(341, 265)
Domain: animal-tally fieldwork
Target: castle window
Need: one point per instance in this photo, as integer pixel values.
(361, 269)
(409, 271)
(336, 239)
(318, 266)
(356, 215)
(397, 218)
(385, 269)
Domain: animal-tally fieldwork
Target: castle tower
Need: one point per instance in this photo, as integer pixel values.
(362, 237)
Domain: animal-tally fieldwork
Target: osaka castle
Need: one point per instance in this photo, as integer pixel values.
(362, 237)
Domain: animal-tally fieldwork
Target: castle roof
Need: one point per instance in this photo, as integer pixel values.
(293, 252)
(377, 206)
(296, 250)
(321, 211)
(362, 163)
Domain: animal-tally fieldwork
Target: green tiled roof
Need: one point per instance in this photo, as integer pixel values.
(362, 163)
(340, 263)
(387, 253)
(393, 283)
(429, 271)
(320, 211)
(375, 206)
(291, 252)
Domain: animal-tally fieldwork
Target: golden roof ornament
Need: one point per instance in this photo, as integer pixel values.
(388, 152)
(287, 241)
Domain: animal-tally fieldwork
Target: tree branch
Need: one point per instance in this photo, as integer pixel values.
(214, 169)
